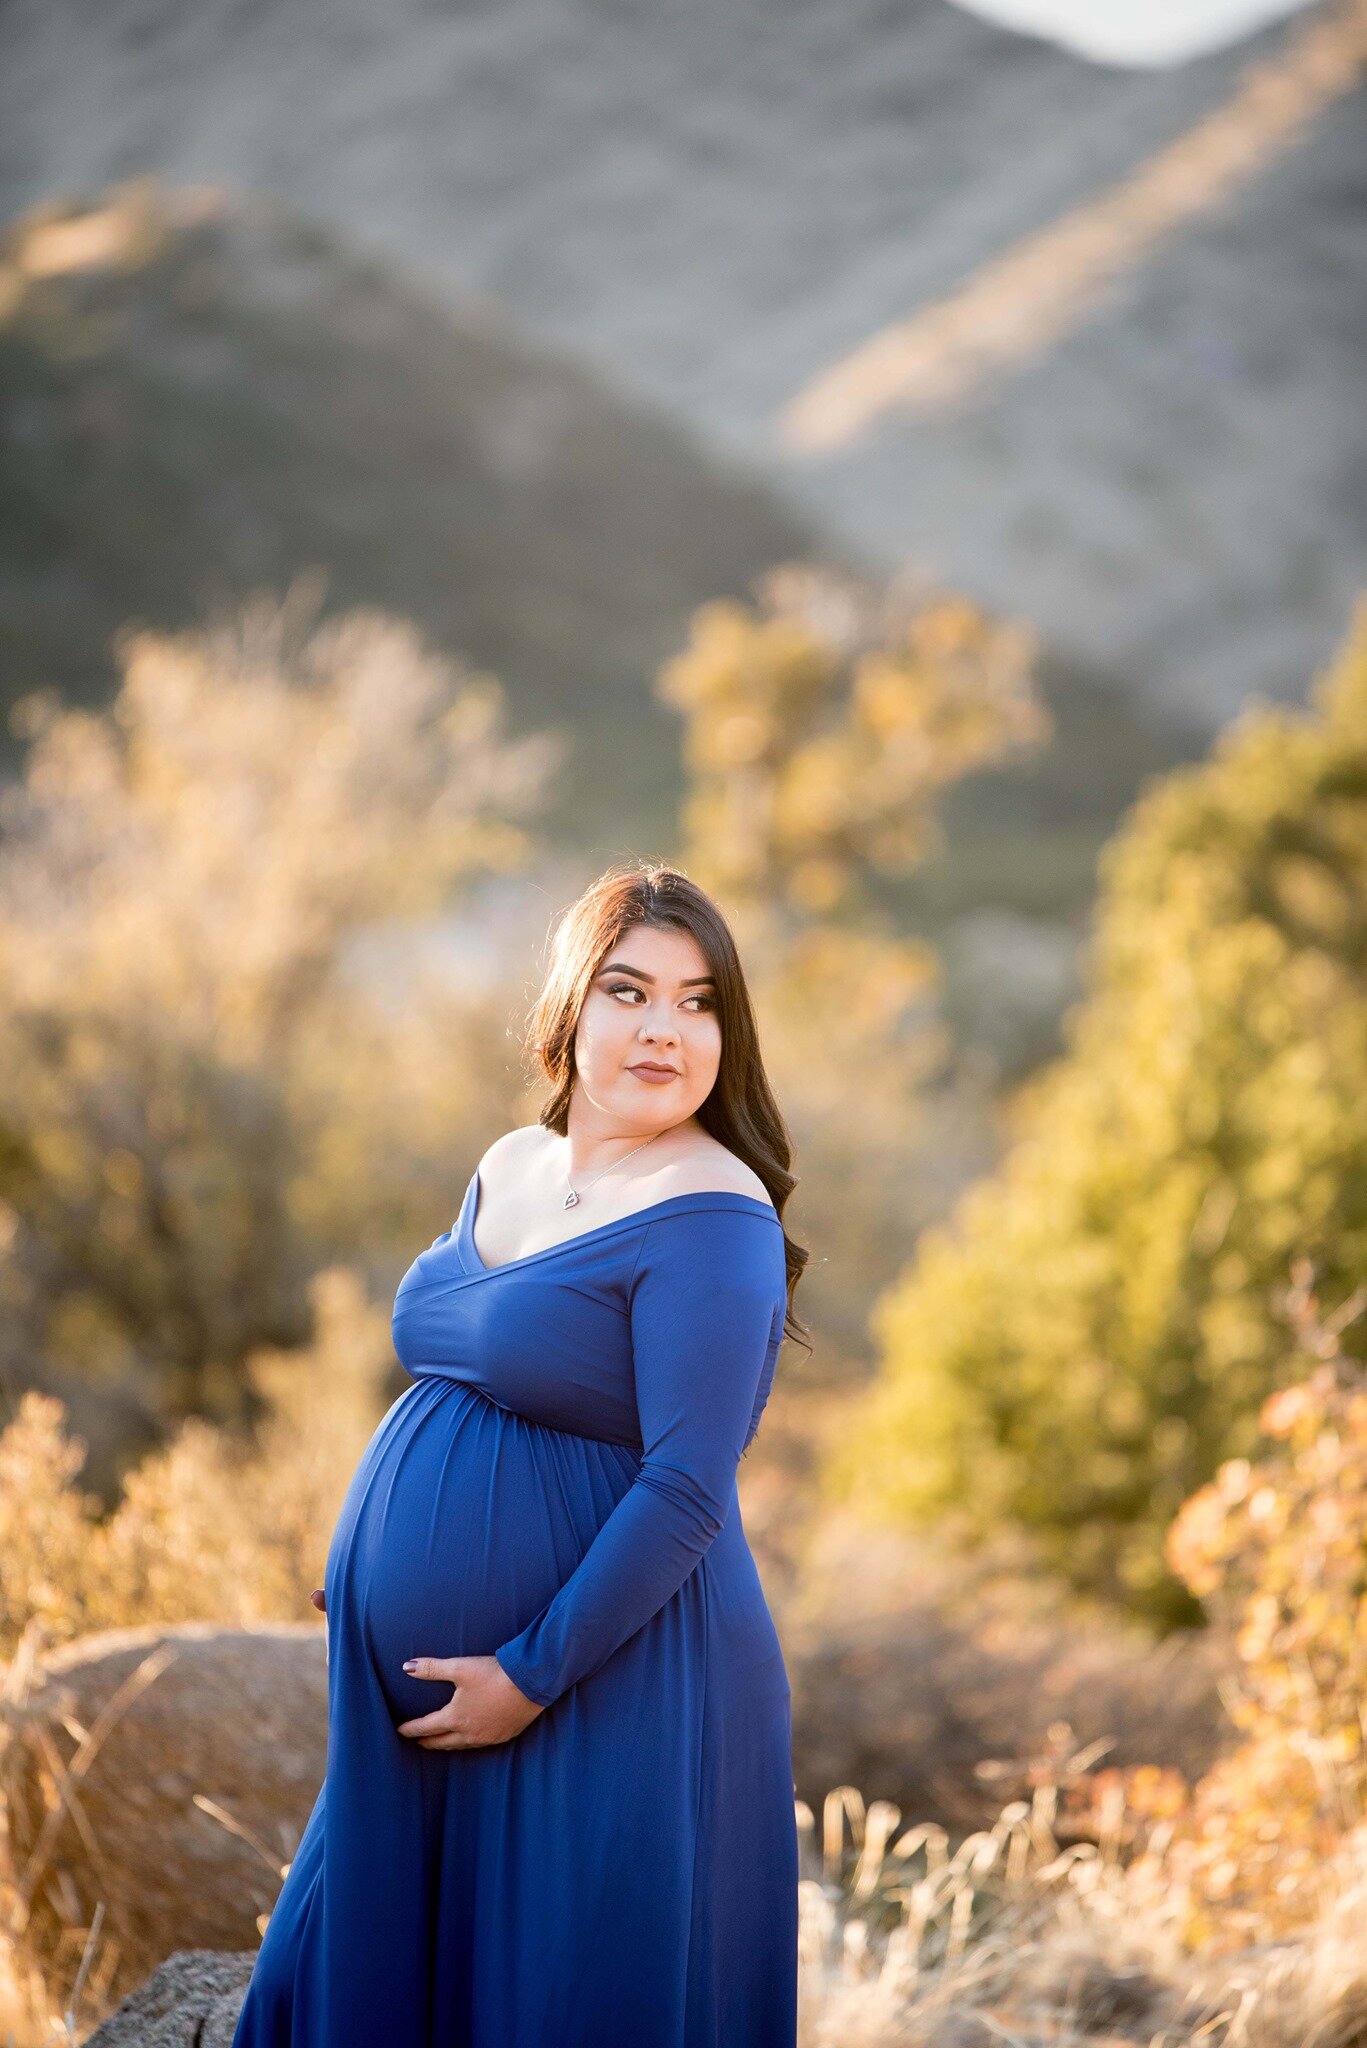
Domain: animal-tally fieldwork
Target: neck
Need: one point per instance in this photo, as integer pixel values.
(592, 1149)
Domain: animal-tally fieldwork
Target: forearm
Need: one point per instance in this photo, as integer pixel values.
(649, 1544)
(704, 1302)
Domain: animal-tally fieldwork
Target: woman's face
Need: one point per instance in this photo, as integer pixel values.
(648, 1043)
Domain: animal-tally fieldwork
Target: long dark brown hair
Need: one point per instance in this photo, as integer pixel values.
(740, 1112)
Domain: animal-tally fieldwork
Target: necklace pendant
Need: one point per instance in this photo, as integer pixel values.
(570, 1199)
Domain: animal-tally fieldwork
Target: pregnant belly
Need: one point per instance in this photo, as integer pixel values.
(461, 1521)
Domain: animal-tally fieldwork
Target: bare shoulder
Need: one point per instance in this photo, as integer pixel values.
(708, 1168)
(515, 1149)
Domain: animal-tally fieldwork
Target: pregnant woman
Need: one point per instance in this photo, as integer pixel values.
(558, 1808)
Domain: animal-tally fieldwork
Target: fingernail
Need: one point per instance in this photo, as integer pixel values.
(409, 1663)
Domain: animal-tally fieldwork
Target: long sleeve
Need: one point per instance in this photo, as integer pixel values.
(703, 1297)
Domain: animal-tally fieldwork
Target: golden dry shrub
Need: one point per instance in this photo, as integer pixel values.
(823, 723)
(223, 1065)
(47, 1523)
(1278, 1548)
(216, 1526)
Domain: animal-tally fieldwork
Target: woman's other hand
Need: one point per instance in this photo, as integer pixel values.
(486, 1706)
(319, 1599)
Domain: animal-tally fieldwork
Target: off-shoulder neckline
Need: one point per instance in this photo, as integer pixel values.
(714, 1197)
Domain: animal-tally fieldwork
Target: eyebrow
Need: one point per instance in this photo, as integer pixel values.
(621, 967)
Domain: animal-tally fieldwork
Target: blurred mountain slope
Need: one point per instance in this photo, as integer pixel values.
(1177, 491)
(715, 202)
(202, 397)
(715, 197)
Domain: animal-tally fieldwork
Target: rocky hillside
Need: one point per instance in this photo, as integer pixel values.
(202, 397)
(714, 202)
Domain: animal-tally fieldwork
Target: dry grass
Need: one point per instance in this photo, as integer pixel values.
(1015, 1937)
(208, 1528)
(1064, 1919)
(1013, 1934)
(212, 1527)
(27, 2015)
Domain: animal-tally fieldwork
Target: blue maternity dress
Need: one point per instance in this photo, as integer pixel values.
(557, 1487)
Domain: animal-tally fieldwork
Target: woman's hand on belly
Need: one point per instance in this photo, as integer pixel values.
(486, 1706)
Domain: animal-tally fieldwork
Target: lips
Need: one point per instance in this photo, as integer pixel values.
(652, 1068)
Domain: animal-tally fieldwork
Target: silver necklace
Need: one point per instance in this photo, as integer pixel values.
(572, 1197)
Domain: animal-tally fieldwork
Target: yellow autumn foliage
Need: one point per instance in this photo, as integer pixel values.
(214, 1526)
(208, 1088)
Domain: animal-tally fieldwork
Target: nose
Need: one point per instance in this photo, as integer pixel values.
(653, 1030)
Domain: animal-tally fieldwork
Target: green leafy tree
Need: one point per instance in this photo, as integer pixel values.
(1094, 1330)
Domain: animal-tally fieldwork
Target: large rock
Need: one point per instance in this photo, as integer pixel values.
(192, 2001)
(194, 1755)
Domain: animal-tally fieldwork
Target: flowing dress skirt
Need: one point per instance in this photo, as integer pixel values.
(622, 1874)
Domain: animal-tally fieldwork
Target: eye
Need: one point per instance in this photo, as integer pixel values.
(624, 988)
